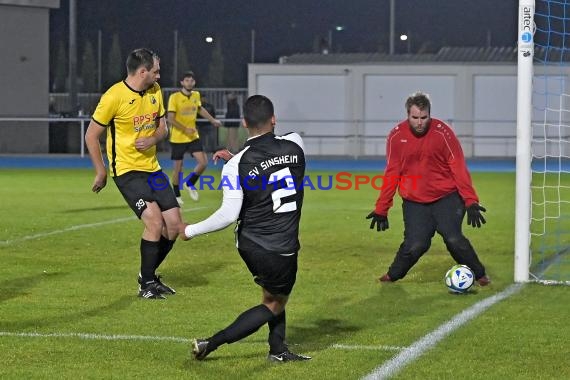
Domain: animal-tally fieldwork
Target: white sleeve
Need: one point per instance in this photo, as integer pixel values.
(231, 203)
(294, 137)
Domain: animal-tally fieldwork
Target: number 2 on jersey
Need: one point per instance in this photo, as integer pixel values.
(277, 195)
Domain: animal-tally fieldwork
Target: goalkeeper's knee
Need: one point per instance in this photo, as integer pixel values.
(458, 244)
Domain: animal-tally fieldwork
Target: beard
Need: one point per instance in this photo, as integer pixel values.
(417, 133)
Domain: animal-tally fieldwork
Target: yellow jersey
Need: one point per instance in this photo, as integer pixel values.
(128, 114)
(186, 108)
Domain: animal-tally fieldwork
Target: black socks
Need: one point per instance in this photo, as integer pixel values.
(245, 324)
(190, 183)
(192, 180)
(149, 257)
(165, 246)
(176, 189)
(276, 337)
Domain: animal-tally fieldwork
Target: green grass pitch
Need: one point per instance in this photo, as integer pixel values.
(68, 305)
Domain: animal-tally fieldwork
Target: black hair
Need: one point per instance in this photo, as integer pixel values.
(257, 110)
(187, 74)
(141, 57)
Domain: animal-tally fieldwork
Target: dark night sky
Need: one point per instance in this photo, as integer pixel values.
(282, 27)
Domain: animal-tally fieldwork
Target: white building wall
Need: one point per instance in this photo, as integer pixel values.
(24, 38)
(349, 109)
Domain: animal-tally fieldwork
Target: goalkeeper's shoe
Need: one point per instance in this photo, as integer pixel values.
(200, 348)
(287, 356)
(150, 291)
(484, 281)
(385, 278)
(162, 287)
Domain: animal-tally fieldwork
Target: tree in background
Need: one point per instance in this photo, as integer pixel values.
(115, 64)
(88, 68)
(59, 83)
(216, 68)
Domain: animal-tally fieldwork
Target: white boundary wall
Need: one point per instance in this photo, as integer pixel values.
(349, 109)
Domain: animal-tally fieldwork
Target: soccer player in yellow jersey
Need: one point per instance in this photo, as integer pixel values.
(133, 115)
(183, 108)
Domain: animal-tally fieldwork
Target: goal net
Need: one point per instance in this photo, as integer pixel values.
(547, 50)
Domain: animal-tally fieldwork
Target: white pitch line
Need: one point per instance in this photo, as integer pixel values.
(363, 347)
(68, 229)
(419, 347)
(164, 338)
(75, 228)
(96, 336)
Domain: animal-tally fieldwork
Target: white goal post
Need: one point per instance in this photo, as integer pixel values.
(542, 210)
(524, 134)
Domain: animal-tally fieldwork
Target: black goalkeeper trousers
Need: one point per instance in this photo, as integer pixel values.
(421, 221)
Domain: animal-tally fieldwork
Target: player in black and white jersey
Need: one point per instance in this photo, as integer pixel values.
(262, 190)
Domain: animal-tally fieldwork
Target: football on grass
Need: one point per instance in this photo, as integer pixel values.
(459, 279)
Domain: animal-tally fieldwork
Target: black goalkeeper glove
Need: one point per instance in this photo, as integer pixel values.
(474, 217)
(381, 221)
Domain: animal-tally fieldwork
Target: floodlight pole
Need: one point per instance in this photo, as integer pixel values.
(175, 63)
(253, 46)
(99, 55)
(392, 25)
(73, 56)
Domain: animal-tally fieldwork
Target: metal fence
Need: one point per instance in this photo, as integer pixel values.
(66, 135)
(30, 135)
(60, 103)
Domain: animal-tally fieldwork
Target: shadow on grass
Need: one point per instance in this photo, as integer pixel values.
(91, 209)
(20, 286)
(220, 355)
(322, 334)
(120, 304)
(389, 307)
(193, 275)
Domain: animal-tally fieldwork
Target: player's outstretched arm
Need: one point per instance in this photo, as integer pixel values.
(206, 115)
(224, 154)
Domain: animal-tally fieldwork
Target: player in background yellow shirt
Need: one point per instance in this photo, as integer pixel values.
(183, 108)
(133, 115)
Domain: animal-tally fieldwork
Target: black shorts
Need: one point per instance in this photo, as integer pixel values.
(273, 272)
(178, 149)
(140, 187)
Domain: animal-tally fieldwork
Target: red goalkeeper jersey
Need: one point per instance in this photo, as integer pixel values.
(427, 168)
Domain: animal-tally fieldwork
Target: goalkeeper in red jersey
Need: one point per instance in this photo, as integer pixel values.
(428, 149)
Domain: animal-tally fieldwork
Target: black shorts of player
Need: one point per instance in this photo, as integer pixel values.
(178, 149)
(140, 187)
(274, 272)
